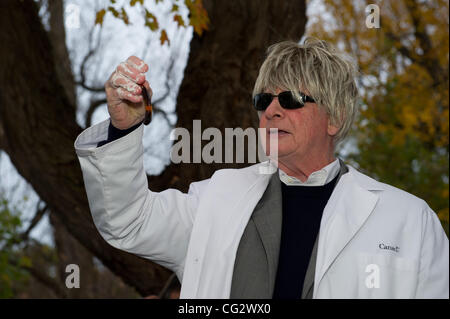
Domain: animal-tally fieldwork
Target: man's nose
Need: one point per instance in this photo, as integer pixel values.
(274, 109)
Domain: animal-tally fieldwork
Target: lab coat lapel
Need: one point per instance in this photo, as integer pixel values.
(217, 246)
(308, 283)
(348, 208)
(267, 218)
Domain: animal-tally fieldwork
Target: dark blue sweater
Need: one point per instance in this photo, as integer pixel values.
(114, 133)
(302, 212)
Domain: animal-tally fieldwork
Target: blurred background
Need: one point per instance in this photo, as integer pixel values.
(204, 58)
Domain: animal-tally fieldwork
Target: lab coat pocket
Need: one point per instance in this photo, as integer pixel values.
(386, 276)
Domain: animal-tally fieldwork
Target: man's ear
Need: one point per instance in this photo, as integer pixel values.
(332, 130)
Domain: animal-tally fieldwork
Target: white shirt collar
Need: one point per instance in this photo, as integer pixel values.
(317, 178)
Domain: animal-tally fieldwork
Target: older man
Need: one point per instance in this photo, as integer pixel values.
(315, 229)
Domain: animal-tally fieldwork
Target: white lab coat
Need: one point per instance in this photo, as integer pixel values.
(196, 234)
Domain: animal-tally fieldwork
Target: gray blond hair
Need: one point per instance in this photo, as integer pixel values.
(318, 68)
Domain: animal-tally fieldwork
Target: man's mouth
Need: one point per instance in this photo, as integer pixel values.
(277, 131)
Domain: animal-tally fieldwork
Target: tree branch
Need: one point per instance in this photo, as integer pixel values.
(92, 49)
(155, 103)
(2, 137)
(46, 280)
(57, 35)
(41, 276)
(428, 59)
(82, 81)
(90, 112)
(167, 285)
(36, 219)
(407, 53)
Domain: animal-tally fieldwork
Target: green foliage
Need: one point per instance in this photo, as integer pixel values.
(12, 263)
(402, 133)
(198, 17)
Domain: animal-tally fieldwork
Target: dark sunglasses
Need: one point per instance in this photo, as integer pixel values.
(286, 99)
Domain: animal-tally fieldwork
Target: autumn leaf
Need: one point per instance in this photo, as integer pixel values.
(133, 2)
(99, 16)
(179, 19)
(113, 11)
(151, 21)
(198, 16)
(124, 16)
(163, 38)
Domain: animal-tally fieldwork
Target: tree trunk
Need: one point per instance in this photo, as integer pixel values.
(57, 36)
(38, 129)
(37, 118)
(221, 71)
